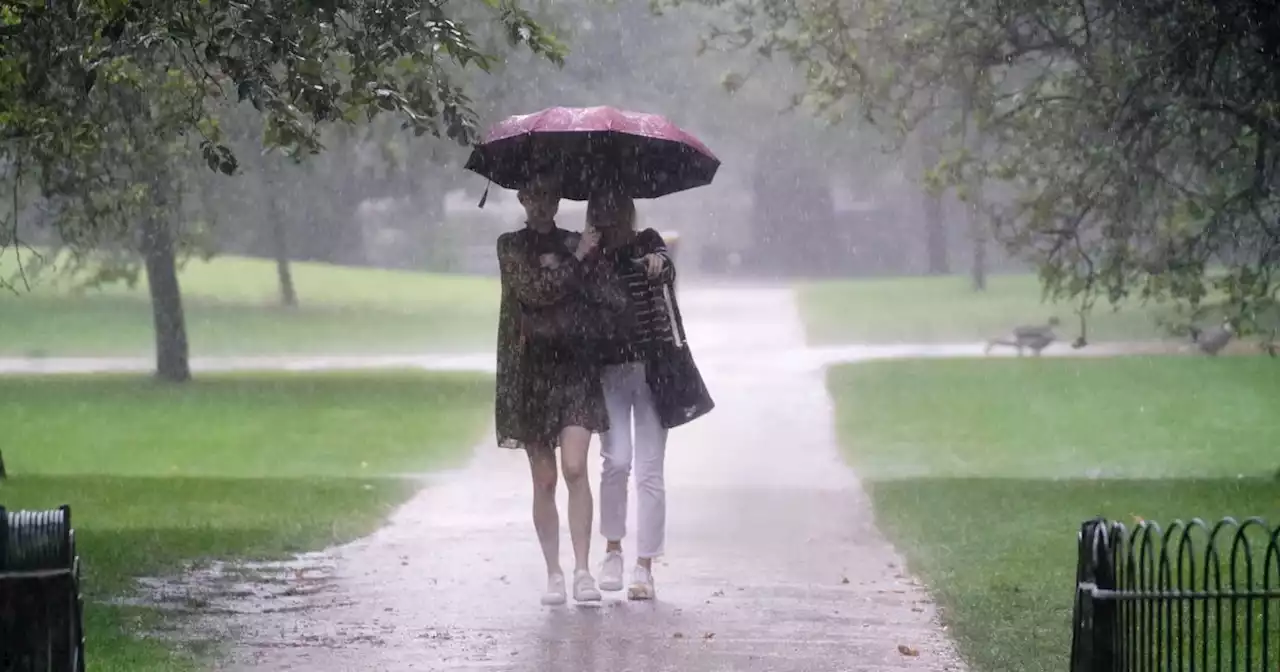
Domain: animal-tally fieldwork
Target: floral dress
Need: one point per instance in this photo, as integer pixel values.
(548, 376)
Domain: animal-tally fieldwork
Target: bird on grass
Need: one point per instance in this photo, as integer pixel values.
(1036, 337)
(1211, 341)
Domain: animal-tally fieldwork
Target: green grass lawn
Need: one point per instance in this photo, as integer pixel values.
(226, 467)
(232, 307)
(945, 309)
(981, 472)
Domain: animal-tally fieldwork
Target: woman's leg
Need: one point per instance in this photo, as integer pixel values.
(574, 442)
(615, 451)
(651, 492)
(546, 519)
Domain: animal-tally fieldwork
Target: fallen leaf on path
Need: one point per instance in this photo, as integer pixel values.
(304, 574)
(908, 651)
(709, 635)
(678, 635)
(844, 580)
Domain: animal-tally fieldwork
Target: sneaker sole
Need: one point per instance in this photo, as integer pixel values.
(550, 601)
(611, 586)
(640, 593)
(588, 597)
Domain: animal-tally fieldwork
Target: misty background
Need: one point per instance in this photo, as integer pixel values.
(794, 197)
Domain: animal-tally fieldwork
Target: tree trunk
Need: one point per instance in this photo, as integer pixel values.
(977, 209)
(280, 250)
(979, 271)
(935, 235)
(978, 235)
(166, 301)
(288, 295)
(927, 154)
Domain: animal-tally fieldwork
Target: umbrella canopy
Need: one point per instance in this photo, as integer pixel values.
(591, 147)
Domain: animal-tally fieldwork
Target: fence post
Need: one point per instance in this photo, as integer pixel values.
(3, 474)
(41, 610)
(1093, 620)
(1082, 612)
(1103, 564)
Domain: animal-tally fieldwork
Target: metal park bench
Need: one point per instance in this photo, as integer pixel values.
(1193, 596)
(41, 621)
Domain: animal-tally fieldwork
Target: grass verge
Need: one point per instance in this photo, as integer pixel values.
(232, 308)
(945, 309)
(981, 472)
(233, 466)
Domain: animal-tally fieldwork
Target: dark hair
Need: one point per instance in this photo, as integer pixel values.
(550, 178)
(615, 202)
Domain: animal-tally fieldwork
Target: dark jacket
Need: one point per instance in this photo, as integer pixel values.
(545, 310)
(652, 331)
(645, 322)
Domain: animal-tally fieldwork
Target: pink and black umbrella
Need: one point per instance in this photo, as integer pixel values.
(645, 154)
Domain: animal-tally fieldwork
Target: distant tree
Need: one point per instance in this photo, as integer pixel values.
(109, 220)
(1133, 144)
(99, 100)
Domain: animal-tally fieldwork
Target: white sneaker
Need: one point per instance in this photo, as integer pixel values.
(611, 571)
(555, 594)
(584, 587)
(641, 587)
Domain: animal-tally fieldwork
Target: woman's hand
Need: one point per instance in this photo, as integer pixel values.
(587, 242)
(652, 264)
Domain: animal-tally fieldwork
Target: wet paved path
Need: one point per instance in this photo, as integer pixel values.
(483, 361)
(773, 563)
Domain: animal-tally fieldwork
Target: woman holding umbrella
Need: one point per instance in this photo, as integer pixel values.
(548, 391)
(641, 156)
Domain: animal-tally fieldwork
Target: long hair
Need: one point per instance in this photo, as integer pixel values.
(620, 209)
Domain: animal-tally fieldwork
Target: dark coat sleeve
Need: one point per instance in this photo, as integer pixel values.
(650, 241)
(530, 283)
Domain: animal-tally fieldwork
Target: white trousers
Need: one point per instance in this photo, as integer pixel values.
(627, 395)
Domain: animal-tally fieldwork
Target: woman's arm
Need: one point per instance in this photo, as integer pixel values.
(534, 285)
(651, 242)
(603, 286)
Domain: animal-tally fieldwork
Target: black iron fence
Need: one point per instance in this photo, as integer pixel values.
(41, 622)
(1191, 596)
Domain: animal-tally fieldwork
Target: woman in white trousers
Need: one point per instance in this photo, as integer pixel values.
(641, 263)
